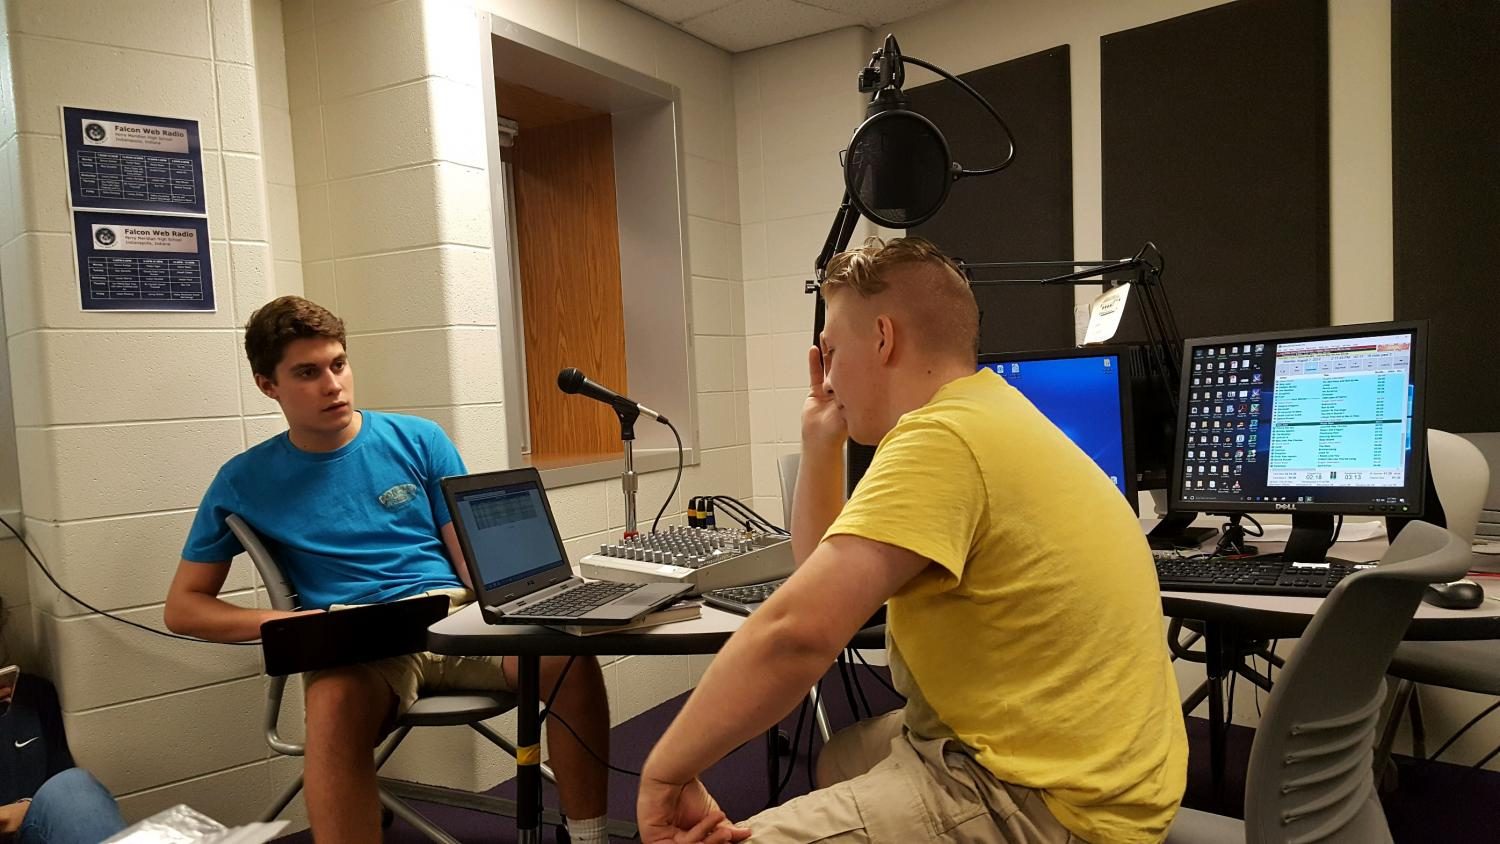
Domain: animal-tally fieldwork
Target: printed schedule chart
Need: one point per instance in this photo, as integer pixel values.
(143, 262)
(140, 231)
(135, 178)
(145, 279)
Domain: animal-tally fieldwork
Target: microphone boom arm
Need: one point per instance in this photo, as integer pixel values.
(1163, 338)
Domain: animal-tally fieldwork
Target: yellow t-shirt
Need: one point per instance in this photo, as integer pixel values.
(1036, 637)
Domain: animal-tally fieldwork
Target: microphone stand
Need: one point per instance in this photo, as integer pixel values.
(628, 479)
(839, 234)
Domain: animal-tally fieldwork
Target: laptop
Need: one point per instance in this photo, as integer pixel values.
(516, 560)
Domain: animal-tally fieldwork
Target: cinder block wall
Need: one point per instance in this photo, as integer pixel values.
(16, 639)
(796, 107)
(343, 149)
(122, 418)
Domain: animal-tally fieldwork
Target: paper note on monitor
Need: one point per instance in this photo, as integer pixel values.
(1105, 313)
(1351, 532)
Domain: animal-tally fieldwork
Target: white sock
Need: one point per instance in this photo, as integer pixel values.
(591, 831)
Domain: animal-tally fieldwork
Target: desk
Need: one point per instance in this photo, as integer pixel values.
(466, 633)
(1231, 620)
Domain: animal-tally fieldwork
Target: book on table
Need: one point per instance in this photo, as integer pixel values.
(686, 609)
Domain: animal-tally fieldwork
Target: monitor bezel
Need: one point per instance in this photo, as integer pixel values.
(1123, 379)
(1418, 330)
(456, 486)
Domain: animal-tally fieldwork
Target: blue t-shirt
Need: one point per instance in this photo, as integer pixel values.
(358, 525)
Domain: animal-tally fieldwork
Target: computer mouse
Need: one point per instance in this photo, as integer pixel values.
(1458, 595)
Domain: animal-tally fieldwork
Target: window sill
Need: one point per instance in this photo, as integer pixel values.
(560, 472)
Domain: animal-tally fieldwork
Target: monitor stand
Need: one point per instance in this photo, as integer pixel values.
(1173, 531)
(1309, 542)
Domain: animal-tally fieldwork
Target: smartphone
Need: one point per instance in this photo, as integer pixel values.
(8, 677)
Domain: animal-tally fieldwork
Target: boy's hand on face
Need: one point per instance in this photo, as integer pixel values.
(823, 422)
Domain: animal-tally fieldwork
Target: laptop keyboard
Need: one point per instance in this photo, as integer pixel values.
(582, 600)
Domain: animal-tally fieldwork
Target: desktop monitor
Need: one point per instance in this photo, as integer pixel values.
(1086, 394)
(1314, 423)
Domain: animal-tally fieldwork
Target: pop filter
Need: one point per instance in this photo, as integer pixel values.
(898, 168)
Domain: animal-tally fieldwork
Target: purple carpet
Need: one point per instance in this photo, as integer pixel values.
(1435, 801)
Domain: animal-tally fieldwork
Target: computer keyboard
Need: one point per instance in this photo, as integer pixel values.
(582, 600)
(742, 599)
(1269, 575)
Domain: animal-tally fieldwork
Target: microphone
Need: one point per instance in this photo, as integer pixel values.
(570, 380)
(898, 169)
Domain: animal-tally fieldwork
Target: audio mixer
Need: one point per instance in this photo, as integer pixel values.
(704, 558)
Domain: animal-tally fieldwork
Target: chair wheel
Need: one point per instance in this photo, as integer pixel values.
(783, 743)
(387, 817)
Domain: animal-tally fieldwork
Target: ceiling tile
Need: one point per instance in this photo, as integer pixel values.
(878, 13)
(677, 11)
(748, 24)
(739, 25)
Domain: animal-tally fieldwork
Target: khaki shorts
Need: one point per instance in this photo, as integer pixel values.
(890, 786)
(409, 675)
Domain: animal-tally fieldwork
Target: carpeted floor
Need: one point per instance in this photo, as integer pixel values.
(1435, 802)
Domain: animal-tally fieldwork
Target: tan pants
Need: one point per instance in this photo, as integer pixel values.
(885, 785)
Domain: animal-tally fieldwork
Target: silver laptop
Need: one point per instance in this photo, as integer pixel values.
(516, 560)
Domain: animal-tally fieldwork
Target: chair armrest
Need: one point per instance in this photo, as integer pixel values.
(274, 693)
(1180, 649)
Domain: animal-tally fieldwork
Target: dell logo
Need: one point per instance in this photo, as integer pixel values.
(1286, 506)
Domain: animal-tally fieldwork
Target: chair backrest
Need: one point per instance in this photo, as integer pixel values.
(1310, 775)
(278, 588)
(786, 469)
(1489, 517)
(1461, 476)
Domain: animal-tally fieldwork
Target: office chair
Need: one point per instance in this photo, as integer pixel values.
(448, 709)
(1462, 479)
(1181, 648)
(1489, 518)
(1310, 777)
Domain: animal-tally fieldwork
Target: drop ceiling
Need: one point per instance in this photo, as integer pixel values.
(739, 25)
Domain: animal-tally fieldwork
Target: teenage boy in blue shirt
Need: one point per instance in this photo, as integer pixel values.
(349, 503)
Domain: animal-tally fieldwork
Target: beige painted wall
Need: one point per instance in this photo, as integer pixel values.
(122, 418)
(795, 108)
(17, 617)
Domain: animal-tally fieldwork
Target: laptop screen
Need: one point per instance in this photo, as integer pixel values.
(509, 533)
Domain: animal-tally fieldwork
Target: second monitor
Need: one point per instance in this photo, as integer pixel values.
(1086, 394)
(1313, 423)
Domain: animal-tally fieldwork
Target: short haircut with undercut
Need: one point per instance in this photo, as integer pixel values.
(279, 322)
(914, 276)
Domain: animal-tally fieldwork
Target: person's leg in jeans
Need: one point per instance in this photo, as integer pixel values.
(70, 808)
